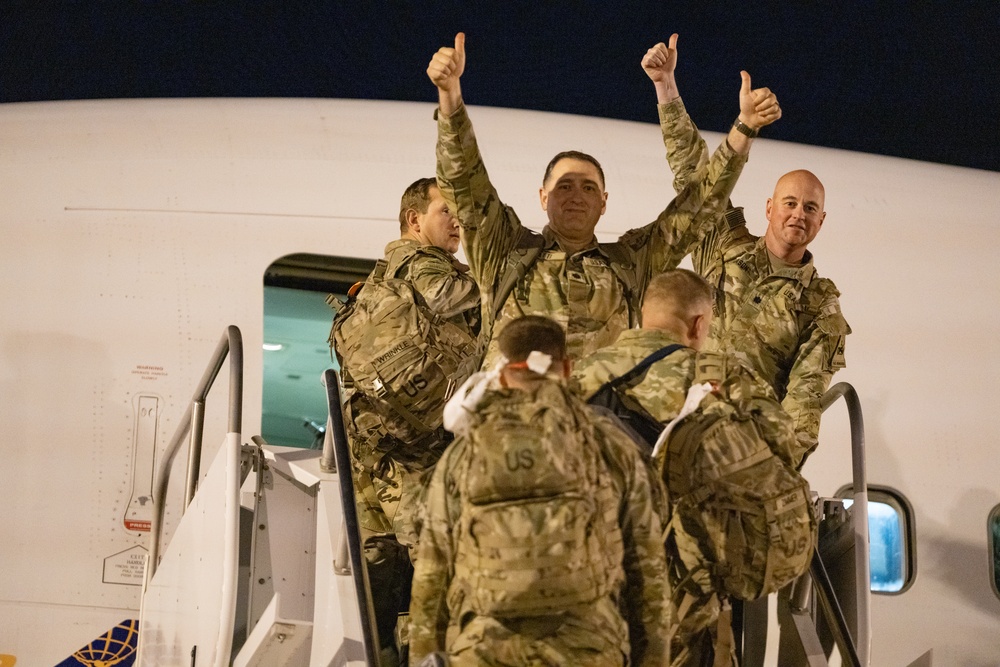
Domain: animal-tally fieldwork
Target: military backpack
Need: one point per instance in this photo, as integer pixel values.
(399, 353)
(742, 522)
(538, 532)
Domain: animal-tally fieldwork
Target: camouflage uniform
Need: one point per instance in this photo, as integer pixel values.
(700, 631)
(782, 321)
(595, 293)
(626, 626)
(389, 474)
(661, 392)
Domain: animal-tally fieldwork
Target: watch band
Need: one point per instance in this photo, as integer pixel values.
(743, 128)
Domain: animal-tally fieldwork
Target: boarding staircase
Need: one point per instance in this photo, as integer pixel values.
(265, 566)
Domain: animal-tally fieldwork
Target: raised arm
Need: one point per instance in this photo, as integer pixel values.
(701, 202)
(686, 150)
(489, 228)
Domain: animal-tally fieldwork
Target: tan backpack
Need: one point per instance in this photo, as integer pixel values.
(538, 532)
(405, 358)
(742, 521)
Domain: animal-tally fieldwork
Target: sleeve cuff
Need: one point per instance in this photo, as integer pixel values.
(454, 122)
(672, 111)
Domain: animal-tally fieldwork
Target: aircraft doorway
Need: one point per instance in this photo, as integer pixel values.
(296, 353)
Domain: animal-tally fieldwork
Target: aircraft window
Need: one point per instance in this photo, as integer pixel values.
(892, 539)
(296, 327)
(994, 538)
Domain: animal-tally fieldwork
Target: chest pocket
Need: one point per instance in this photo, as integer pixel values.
(604, 297)
(767, 323)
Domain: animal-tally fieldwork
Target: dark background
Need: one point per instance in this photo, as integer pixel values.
(910, 79)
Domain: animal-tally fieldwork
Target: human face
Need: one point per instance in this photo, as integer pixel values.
(438, 226)
(574, 198)
(794, 215)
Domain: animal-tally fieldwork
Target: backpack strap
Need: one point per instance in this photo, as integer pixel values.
(641, 367)
(519, 261)
(622, 263)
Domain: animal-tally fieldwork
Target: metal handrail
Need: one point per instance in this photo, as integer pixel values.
(339, 449)
(859, 513)
(193, 422)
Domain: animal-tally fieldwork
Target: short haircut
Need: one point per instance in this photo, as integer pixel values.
(681, 292)
(573, 155)
(415, 197)
(522, 336)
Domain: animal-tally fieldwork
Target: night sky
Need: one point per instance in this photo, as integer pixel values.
(896, 78)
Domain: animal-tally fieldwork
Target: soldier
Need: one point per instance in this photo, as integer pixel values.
(772, 310)
(677, 309)
(592, 290)
(542, 544)
(388, 471)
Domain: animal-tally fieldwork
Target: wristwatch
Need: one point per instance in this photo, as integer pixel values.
(743, 128)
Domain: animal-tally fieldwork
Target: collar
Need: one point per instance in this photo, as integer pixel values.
(654, 338)
(805, 273)
(552, 243)
(414, 246)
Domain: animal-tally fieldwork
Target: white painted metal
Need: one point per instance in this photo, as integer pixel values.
(190, 602)
(275, 641)
(336, 597)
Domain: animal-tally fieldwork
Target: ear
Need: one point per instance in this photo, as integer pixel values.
(698, 331)
(543, 197)
(822, 218)
(694, 328)
(413, 220)
(604, 205)
(767, 209)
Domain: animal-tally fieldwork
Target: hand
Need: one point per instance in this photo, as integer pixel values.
(448, 64)
(758, 108)
(661, 60)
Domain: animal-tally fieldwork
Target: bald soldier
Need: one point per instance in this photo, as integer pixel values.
(772, 309)
(592, 290)
(677, 309)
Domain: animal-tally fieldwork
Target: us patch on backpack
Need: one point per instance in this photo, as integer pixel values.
(742, 521)
(404, 357)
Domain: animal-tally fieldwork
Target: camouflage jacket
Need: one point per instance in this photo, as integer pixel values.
(632, 621)
(447, 287)
(661, 391)
(784, 323)
(450, 292)
(592, 295)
